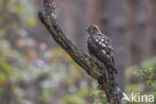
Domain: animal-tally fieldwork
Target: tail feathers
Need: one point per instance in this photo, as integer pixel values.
(111, 67)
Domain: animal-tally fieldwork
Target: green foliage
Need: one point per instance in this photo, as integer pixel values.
(142, 78)
(5, 72)
(19, 7)
(100, 101)
(74, 99)
(147, 72)
(30, 71)
(96, 93)
(101, 98)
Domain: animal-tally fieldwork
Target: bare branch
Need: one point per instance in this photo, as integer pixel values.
(47, 17)
(92, 67)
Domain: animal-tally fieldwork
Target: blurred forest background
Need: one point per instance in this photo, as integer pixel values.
(35, 70)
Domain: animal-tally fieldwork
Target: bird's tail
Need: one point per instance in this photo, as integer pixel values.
(113, 85)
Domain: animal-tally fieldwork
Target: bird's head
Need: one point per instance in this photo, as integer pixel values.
(93, 29)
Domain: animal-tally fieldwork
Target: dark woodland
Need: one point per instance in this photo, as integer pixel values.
(44, 57)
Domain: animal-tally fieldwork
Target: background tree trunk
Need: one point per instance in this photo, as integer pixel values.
(136, 27)
(151, 29)
(111, 19)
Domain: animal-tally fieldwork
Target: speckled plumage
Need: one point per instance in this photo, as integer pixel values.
(100, 46)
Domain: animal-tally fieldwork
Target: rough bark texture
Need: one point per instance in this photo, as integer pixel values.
(92, 67)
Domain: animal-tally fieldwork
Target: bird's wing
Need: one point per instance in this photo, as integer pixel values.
(101, 48)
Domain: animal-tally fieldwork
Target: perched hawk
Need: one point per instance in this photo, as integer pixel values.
(100, 46)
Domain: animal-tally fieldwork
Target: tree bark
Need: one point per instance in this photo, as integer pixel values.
(92, 67)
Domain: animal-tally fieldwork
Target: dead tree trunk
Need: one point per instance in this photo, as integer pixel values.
(92, 67)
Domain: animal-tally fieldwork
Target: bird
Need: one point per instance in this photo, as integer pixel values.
(100, 47)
